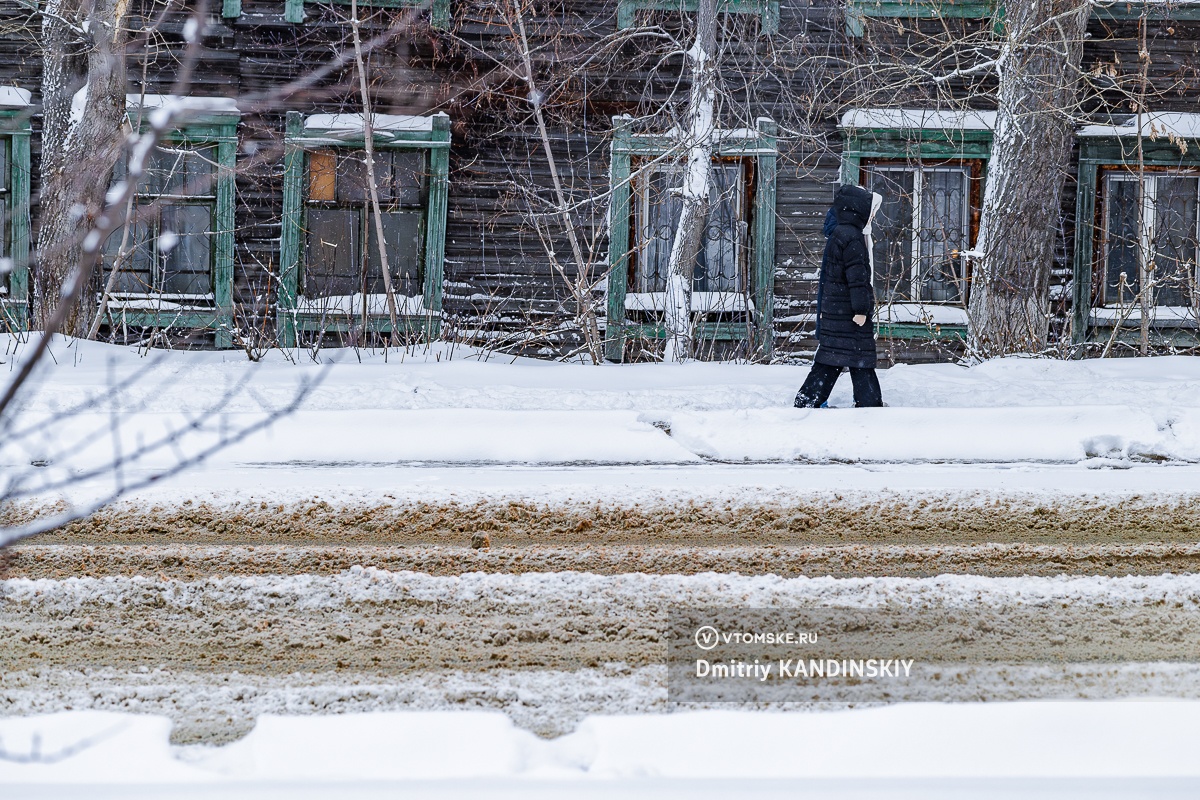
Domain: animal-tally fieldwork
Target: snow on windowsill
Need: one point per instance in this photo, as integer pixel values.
(12, 97)
(702, 302)
(217, 105)
(351, 304)
(161, 302)
(180, 107)
(353, 123)
(1178, 316)
(922, 314)
(919, 119)
(1154, 125)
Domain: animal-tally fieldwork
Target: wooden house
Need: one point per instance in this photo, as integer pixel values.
(518, 146)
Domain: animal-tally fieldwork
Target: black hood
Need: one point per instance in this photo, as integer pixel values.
(852, 204)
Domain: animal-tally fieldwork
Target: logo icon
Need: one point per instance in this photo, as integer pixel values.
(707, 637)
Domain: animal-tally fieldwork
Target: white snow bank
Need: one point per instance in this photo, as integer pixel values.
(192, 103)
(277, 594)
(949, 434)
(887, 435)
(1099, 739)
(363, 436)
(92, 747)
(1051, 739)
(702, 302)
(919, 119)
(1176, 316)
(445, 403)
(12, 97)
(351, 304)
(1154, 125)
(922, 314)
(353, 123)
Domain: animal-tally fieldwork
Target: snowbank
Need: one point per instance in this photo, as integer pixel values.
(1061, 740)
(460, 407)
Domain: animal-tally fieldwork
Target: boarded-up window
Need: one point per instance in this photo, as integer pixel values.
(339, 222)
(168, 248)
(1156, 226)
(920, 231)
(718, 266)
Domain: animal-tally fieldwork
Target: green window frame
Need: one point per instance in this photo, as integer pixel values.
(766, 10)
(439, 10)
(15, 133)
(427, 136)
(922, 139)
(1116, 10)
(1108, 153)
(858, 11)
(209, 123)
(759, 145)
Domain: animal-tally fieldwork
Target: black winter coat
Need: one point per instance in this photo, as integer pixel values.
(845, 289)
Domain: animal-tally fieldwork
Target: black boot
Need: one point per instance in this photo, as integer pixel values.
(804, 401)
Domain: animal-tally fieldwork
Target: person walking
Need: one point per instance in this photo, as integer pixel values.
(845, 304)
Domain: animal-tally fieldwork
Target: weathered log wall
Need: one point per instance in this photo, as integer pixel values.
(499, 284)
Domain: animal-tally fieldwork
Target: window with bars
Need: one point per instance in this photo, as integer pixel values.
(338, 222)
(1151, 229)
(166, 248)
(920, 230)
(767, 11)
(719, 265)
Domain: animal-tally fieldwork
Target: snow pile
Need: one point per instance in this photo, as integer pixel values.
(918, 119)
(450, 405)
(949, 434)
(13, 97)
(354, 123)
(602, 593)
(997, 740)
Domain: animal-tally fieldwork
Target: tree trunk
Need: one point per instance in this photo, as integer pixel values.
(1031, 151)
(689, 235)
(83, 48)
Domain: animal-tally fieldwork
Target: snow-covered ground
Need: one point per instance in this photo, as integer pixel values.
(460, 408)
(708, 460)
(982, 746)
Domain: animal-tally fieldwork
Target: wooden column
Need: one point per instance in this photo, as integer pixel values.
(289, 237)
(618, 240)
(435, 226)
(764, 239)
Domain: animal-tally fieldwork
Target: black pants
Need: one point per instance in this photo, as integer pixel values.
(821, 378)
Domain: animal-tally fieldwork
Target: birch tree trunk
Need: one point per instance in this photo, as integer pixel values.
(698, 139)
(1039, 68)
(83, 44)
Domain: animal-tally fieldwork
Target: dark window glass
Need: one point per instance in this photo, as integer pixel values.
(176, 169)
(169, 248)
(717, 267)
(135, 263)
(1121, 241)
(1175, 239)
(924, 216)
(185, 264)
(943, 234)
(892, 233)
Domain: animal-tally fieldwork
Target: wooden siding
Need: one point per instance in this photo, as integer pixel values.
(499, 285)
